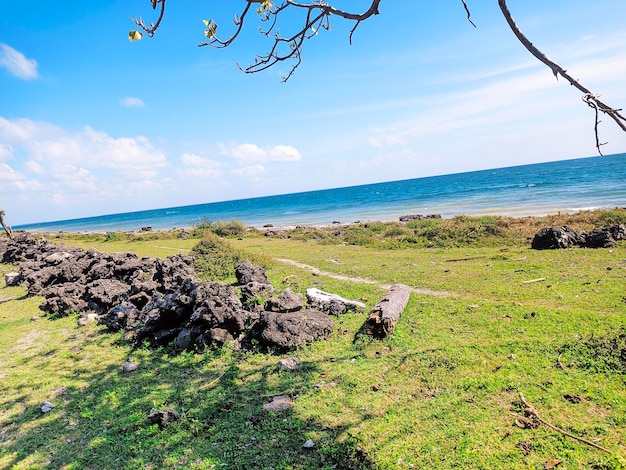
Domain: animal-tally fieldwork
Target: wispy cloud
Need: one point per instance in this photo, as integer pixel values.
(200, 167)
(17, 63)
(132, 102)
(254, 153)
(6, 152)
(253, 172)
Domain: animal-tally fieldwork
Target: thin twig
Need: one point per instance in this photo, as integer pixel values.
(213, 382)
(7, 299)
(469, 15)
(532, 411)
(559, 363)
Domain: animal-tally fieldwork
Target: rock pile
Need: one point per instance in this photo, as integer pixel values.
(162, 300)
(564, 237)
(414, 217)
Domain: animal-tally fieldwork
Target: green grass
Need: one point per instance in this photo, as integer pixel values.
(441, 392)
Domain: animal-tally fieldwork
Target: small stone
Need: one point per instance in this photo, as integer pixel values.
(12, 279)
(35, 318)
(278, 403)
(512, 356)
(309, 444)
(84, 319)
(289, 364)
(163, 418)
(46, 407)
(129, 366)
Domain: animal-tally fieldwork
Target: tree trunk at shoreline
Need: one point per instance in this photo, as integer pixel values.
(386, 313)
(7, 229)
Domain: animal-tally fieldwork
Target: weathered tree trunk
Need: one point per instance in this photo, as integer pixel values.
(7, 230)
(386, 313)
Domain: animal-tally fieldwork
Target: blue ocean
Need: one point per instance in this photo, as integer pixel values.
(537, 189)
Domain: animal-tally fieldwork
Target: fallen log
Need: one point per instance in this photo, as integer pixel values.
(331, 304)
(385, 314)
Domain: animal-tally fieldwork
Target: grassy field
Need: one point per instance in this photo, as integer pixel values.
(442, 392)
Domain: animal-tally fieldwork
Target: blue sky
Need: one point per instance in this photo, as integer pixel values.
(92, 124)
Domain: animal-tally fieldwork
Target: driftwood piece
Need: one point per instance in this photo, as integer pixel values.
(332, 304)
(386, 313)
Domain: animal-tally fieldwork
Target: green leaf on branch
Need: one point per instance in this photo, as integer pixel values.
(134, 36)
(209, 32)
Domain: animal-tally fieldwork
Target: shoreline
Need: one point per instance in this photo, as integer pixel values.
(286, 227)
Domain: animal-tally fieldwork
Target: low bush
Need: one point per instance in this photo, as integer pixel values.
(215, 258)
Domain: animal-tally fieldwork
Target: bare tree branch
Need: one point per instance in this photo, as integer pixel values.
(592, 99)
(150, 30)
(316, 16)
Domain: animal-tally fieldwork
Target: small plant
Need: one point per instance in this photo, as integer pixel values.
(113, 237)
(606, 353)
(220, 228)
(215, 258)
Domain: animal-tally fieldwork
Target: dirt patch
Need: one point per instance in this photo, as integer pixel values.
(34, 339)
(362, 280)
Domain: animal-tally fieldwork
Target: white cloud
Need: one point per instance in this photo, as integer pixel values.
(254, 172)
(35, 167)
(17, 64)
(254, 153)
(132, 102)
(199, 167)
(191, 159)
(6, 152)
(9, 174)
(85, 162)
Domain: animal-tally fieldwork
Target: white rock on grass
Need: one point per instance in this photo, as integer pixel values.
(46, 406)
(289, 364)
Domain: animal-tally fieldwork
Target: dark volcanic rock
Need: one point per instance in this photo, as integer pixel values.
(564, 237)
(556, 237)
(618, 232)
(163, 417)
(287, 301)
(124, 316)
(218, 306)
(599, 238)
(161, 300)
(288, 331)
(412, 217)
(64, 299)
(104, 294)
(247, 272)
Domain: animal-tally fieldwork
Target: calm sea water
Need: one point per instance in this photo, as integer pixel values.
(538, 189)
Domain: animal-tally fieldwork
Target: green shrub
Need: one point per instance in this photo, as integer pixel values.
(215, 258)
(220, 228)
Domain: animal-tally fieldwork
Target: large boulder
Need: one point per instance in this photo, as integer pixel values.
(556, 237)
(255, 287)
(289, 331)
(218, 306)
(104, 294)
(287, 301)
(64, 299)
(599, 238)
(247, 272)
